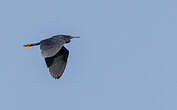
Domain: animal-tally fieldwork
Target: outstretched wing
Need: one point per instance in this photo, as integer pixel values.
(50, 47)
(57, 63)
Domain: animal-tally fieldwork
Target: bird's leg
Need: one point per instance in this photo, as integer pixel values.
(29, 45)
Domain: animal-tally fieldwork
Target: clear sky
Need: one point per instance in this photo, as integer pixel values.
(126, 58)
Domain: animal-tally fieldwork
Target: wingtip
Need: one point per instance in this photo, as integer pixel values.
(56, 76)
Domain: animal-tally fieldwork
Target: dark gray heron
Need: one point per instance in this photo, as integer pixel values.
(54, 52)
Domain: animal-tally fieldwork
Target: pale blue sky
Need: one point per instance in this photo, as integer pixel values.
(126, 58)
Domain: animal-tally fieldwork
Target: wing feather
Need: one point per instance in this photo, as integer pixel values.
(50, 47)
(57, 63)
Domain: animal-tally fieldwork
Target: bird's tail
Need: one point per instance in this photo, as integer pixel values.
(33, 44)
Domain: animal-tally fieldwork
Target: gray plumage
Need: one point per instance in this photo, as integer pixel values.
(50, 47)
(55, 54)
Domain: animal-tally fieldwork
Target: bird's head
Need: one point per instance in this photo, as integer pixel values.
(67, 38)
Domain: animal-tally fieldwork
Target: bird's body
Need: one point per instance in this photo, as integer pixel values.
(55, 54)
(49, 47)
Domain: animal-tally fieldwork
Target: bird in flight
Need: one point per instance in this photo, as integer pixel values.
(54, 53)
